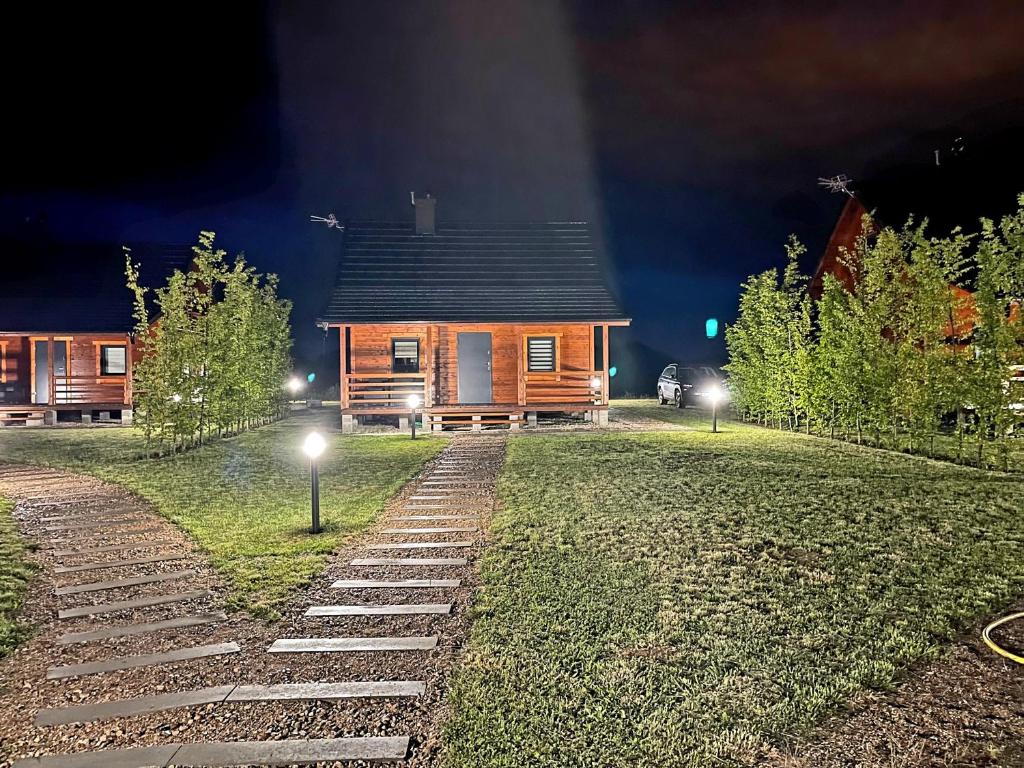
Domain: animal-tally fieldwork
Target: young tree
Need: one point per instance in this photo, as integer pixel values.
(216, 352)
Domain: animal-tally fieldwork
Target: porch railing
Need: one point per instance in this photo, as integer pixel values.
(73, 390)
(386, 389)
(574, 387)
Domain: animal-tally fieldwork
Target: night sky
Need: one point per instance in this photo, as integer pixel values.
(692, 133)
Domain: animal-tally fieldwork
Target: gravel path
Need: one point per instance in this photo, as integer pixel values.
(41, 495)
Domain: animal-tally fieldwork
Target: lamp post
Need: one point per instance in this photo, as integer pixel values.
(313, 447)
(414, 403)
(715, 395)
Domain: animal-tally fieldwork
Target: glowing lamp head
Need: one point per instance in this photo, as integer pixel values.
(413, 401)
(314, 445)
(294, 385)
(595, 382)
(715, 395)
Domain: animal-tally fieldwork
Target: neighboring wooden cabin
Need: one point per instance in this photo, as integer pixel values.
(66, 347)
(842, 246)
(484, 323)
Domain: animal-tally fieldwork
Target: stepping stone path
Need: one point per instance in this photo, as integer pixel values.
(123, 658)
(422, 629)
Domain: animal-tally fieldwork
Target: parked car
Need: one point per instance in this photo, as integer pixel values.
(685, 385)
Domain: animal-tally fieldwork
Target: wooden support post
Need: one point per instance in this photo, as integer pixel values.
(343, 365)
(128, 384)
(52, 394)
(428, 382)
(605, 379)
(520, 367)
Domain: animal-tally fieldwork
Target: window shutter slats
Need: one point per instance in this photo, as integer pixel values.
(540, 353)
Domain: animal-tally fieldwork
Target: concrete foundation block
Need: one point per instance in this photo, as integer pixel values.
(348, 424)
(49, 417)
(127, 416)
(602, 418)
(86, 417)
(403, 423)
(531, 418)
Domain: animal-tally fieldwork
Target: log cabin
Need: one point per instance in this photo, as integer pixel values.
(66, 344)
(484, 324)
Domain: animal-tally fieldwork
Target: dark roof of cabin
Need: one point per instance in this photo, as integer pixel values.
(81, 289)
(549, 272)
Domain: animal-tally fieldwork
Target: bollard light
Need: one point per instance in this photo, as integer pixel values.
(413, 402)
(313, 446)
(294, 385)
(715, 395)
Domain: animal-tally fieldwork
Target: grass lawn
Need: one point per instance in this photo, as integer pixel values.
(682, 598)
(14, 575)
(945, 445)
(245, 499)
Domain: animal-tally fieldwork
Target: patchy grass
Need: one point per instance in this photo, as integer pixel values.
(683, 598)
(245, 499)
(15, 571)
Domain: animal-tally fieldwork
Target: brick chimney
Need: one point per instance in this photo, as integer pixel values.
(424, 205)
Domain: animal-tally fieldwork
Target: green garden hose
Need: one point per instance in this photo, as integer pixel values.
(985, 635)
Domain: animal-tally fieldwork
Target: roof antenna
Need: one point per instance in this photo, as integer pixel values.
(840, 183)
(330, 220)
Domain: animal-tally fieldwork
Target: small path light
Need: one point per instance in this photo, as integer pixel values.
(414, 403)
(294, 385)
(313, 447)
(715, 395)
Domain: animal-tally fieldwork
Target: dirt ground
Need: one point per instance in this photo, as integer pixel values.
(963, 710)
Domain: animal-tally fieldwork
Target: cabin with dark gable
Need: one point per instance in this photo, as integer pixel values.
(66, 343)
(482, 324)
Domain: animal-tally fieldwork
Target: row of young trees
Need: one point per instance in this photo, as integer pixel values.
(215, 351)
(903, 357)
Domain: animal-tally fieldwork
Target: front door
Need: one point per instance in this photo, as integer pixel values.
(42, 349)
(474, 368)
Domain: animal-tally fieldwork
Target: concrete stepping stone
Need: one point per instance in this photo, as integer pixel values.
(92, 516)
(98, 586)
(409, 518)
(347, 644)
(145, 660)
(407, 609)
(232, 753)
(117, 563)
(399, 584)
(85, 713)
(142, 544)
(454, 529)
(128, 605)
(317, 691)
(106, 535)
(139, 757)
(100, 523)
(422, 545)
(143, 705)
(428, 497)
(410, 561)
(131, 630)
